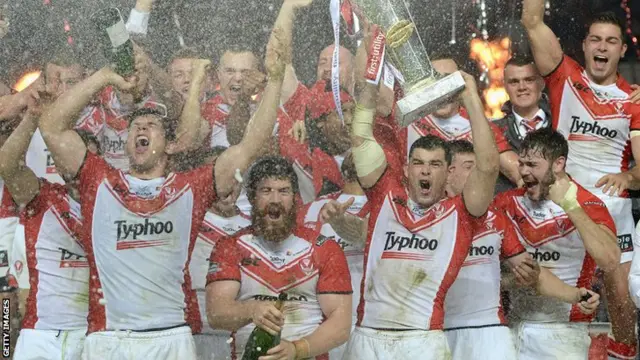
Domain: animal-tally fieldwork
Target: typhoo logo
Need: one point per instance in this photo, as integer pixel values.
(69, 259)
(395, 245)
(545, 255)
(590, 129)
(127, 234)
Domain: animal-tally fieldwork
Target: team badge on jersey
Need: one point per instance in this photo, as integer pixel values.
(306, 265)
(19, 266)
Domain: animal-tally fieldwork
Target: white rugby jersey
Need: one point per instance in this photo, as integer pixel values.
(8, 224)
(213, 228)
(410, 260)
(456, 127)
(304, 265)
(139, 247)
(474, 298)
(310, 217)
(553, 241)
(54, 261)
(596, 120)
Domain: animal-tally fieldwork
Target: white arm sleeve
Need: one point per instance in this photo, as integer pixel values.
(18, 267)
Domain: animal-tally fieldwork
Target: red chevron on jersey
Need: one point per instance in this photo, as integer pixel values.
(552, 240)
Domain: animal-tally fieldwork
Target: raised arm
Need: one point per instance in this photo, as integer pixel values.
(546, 49)
(19, 179)
(192, 127)
(263, 121)
(285, 21)
(138, 21)
(66, 146)
(479, 188)
(600, 242)
(368, 156)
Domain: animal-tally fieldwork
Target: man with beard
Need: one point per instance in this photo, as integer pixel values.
(567, 230)
(417, 238)
(475, 322)
(592, 108)
(139, 228)
(249, 270)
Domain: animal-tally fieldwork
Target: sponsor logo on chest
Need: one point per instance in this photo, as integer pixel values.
(407, 247)
(148, 233)
(595, 129)
(69, 259)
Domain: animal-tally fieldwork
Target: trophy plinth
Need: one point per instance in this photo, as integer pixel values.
(424, 89)
(423, 99)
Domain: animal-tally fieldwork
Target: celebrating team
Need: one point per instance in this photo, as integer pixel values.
(174, 214)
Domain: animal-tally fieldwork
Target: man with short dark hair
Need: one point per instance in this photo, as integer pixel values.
(567, 230)
(527, 108)
(180, 68)
(417, 238)
(148, 217)
(592, 108)
(475, 322)
(277, 254)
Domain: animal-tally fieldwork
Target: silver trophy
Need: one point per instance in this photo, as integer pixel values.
(424, 89)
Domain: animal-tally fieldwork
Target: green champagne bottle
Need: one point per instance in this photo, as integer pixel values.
(115, 41)
(261, 341)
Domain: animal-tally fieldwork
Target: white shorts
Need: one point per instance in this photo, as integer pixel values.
(621, 212)
(172, 344)
(552, 341)
(373, 344)
(49, 344)
(494, 342)
(213, 346)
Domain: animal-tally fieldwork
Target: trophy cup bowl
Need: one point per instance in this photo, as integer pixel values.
(424, 89)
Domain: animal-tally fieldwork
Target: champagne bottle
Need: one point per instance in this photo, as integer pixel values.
(261, 341)
(115, 40)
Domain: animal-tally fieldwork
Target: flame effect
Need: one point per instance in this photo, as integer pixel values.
(26, 80)
(491, 58)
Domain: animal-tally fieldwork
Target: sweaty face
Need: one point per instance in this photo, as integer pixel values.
(537, 175)
(337, 135)
(146, 143)
(180, 72)
(273, 209)
(233, 67)
(603, 49)
(461, 166)
(323, 71)
(446, 67)
(426, 176)
(524, 85)
(61, 78)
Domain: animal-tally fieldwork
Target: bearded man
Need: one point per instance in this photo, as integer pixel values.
(250, 269)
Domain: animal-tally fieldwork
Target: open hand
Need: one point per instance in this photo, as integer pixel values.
(614, 184)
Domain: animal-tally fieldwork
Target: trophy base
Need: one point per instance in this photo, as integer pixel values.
(428, 98)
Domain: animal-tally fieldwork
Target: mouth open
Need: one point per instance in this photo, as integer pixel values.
(274, 213)
(530, 183)
(142, 143)
(235, 89)
(425, 186)
(600, 61)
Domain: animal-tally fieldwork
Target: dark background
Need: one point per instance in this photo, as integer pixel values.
(36, 30)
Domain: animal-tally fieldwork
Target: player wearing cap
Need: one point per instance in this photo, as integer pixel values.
(148, 218)
(592, 109)
(567, 230)
(275, 255)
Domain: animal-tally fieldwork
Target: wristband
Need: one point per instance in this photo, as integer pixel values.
(570, 200)
(303, 350)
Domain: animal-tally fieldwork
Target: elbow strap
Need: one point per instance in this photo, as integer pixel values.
(368, 156)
